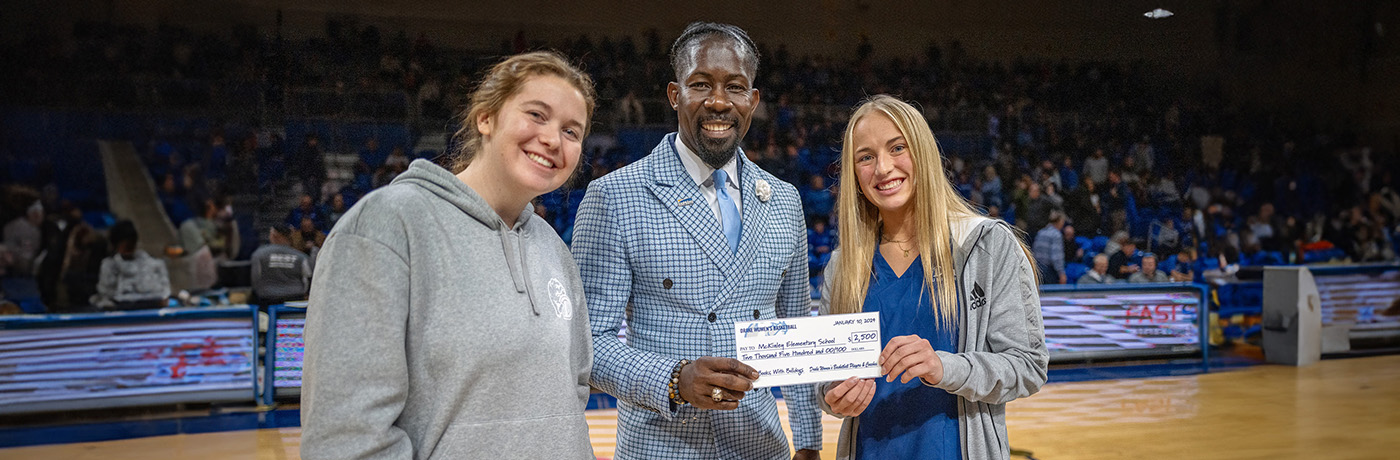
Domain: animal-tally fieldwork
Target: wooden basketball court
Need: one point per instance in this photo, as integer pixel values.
(1336, 409)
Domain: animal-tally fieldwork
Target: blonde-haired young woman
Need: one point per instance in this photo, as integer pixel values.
(956, 293)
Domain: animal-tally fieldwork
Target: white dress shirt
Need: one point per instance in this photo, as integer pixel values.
(700, 173)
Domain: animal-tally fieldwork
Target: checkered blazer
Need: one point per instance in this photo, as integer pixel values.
(652, 252)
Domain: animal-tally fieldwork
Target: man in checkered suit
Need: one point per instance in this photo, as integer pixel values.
(680, 245)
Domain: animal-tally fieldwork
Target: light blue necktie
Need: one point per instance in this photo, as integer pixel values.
(729, 214)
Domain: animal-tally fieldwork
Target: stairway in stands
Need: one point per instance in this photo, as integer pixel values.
(131, 194)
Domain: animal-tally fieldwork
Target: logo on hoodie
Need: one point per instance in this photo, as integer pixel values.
(563, 307)
(979, 296)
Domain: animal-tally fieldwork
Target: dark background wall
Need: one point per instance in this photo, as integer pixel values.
(1336, 64)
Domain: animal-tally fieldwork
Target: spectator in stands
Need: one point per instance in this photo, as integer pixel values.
(1048, 176)
(1185, 269)
(1117, 198)
(1261, 225)
(1120, 262)
(131, 279)
(172, 198)
(1099, 273)
(56, 230)
(8, 307)
(371, 154)
(306, 208)
(1019, 199)
(1162, 235)
(82, 267)
(1143, 155)
(7, 260)
(1385, 200)
(1082, 207)
(195, 185)
(1149, 273)
(335, 210)
(1226, 259)
(216, 157)
(460, 253)
(1115, 242)
(243, 167)
(397, 159)
(991, 187)
(796, 172)
(280, 273)
(1050, 250)
(630, 111)
(817, 200)
(1057, 201)
(210, 238)
(307, 238)
(1069, 178)
(1128, 174)
(1073, 252)
(820, 237)
(1368, 245)
(362, 182)
(1096, 167)
(1038, 208)
(23, 237)
(1162, 189)
(1188, 231)
(309, 165)
(386, 174)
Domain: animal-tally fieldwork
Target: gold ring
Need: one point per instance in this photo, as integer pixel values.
(717, 395)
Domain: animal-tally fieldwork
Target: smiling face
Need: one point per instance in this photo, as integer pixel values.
(714, 100)
(883, 165)
(535, 139)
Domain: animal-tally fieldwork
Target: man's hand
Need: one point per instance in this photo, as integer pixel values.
(701, 377)
(807, 454)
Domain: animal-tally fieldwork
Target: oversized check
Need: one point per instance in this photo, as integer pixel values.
(812, 349)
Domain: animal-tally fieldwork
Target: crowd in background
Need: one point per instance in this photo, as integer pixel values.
(1111, 177)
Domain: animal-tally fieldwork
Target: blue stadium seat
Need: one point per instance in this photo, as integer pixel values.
(1099, 243)
(1074, 270)
(1166, 264)
(24, 292)
(1084, 242)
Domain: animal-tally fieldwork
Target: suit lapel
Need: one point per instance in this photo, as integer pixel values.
(679, 194)
(755, 212)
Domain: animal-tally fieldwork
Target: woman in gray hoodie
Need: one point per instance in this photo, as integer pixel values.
(956, 293)
(446, 319)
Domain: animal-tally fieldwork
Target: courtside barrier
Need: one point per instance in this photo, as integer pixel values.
(129, 358)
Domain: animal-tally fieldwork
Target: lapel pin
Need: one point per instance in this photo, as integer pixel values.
(687, 201)
(763, 190)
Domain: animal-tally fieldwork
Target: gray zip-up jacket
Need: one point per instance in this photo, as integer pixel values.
(436, 330)
(1002, 354)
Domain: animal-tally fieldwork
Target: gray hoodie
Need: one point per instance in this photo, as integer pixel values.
(435, 330)
(1001, 350)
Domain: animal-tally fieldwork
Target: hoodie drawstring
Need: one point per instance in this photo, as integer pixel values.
(516, 260)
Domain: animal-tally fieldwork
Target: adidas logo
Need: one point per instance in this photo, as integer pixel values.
(979, 296)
